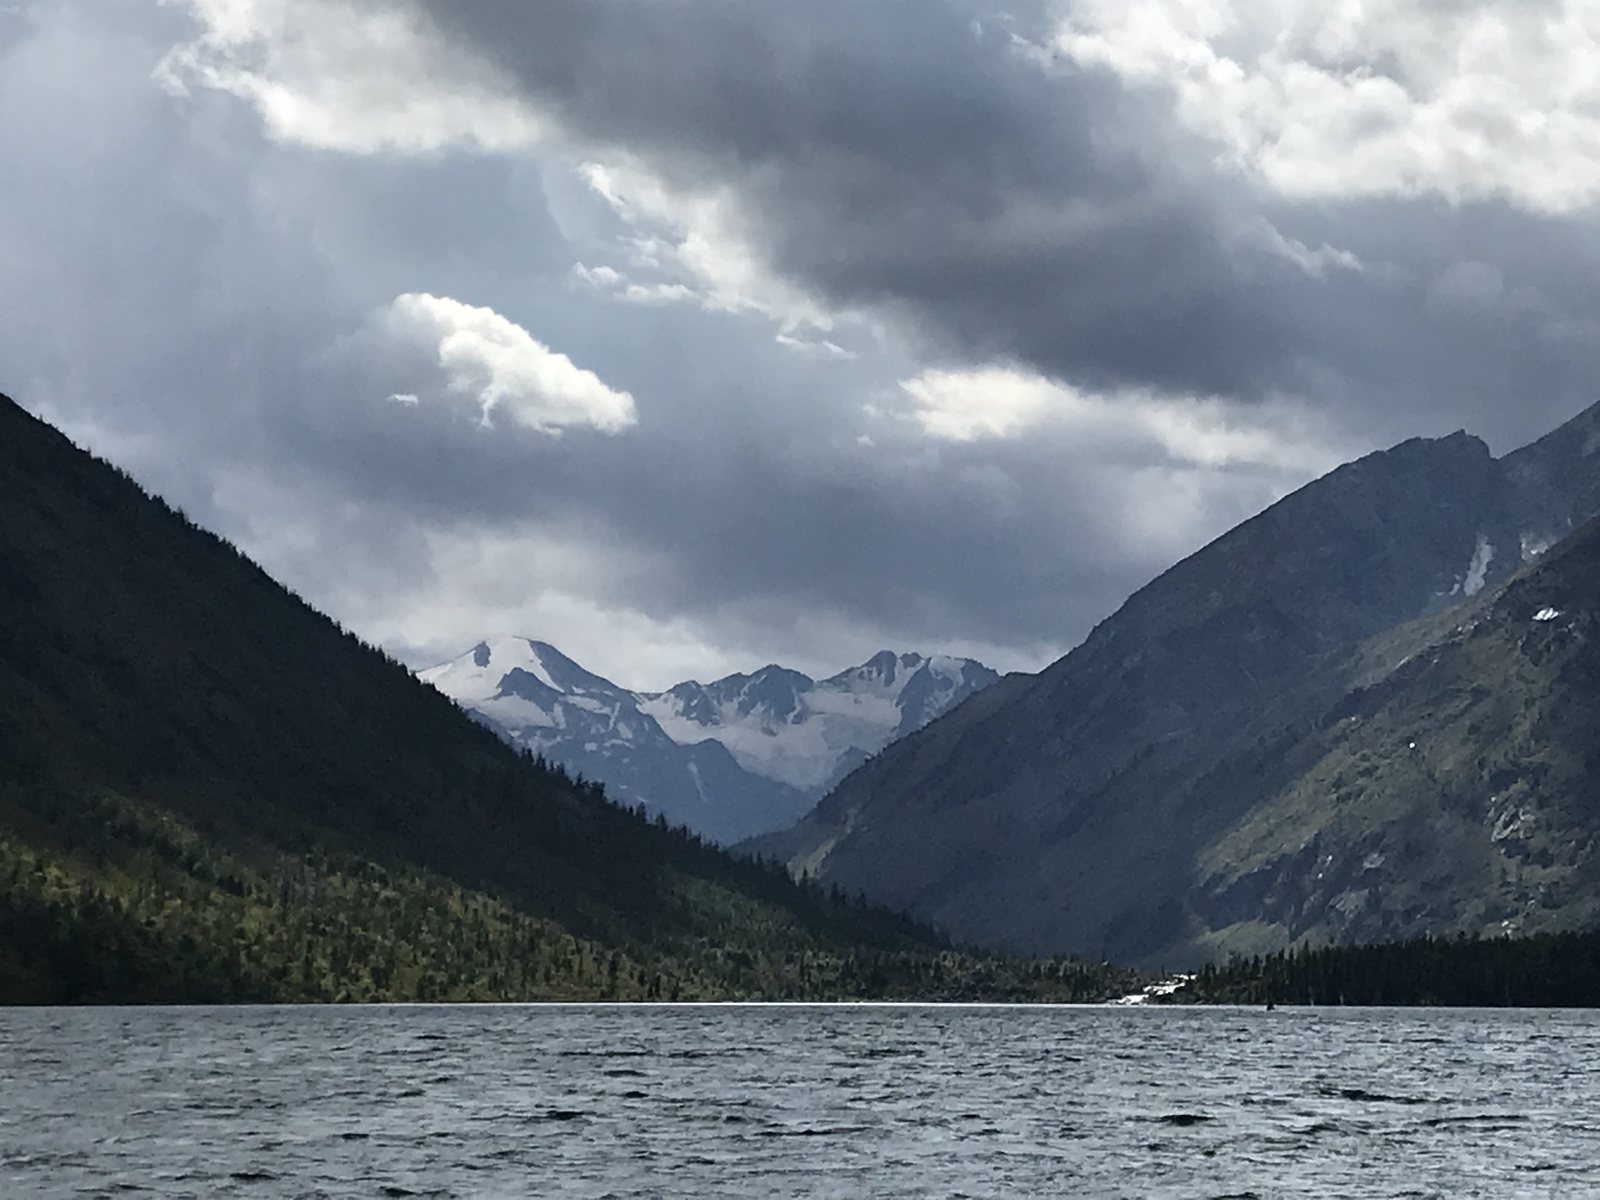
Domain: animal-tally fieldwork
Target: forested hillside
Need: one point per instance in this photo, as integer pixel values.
(210, 791)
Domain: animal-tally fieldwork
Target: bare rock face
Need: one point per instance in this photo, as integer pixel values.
(1114, 804)
(1455, 791)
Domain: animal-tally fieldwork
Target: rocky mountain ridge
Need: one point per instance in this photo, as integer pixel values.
(1452, 788)
(741, 756)
(1091, 808)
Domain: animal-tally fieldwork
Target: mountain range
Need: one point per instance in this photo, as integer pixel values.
(744, 755)
(211, 792)
(1369, 712)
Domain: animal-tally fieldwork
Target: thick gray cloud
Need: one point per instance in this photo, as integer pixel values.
(892, 155)
(902, 155)
(928, 336)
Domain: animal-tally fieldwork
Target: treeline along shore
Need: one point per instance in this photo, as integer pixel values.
(1548, 970)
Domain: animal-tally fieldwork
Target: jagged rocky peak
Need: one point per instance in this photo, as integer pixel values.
(1373, 542)
(516, 666)
(1536, 496)
(780, 695)
(1551, 487)
(883, 666)
(891, 671)
(743, 754)
(691, 701)
(773, 693)
(1073, 810)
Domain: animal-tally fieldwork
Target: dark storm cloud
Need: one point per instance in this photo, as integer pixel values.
(1406, 354)
(893, 155)
(189, 284)
(889, 155)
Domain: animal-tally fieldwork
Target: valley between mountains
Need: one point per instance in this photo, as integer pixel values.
(1370, 713)
(210, 792)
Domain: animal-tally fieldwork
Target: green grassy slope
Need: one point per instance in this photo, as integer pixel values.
(209, 791)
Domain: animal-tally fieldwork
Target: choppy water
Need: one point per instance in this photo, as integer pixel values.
(797, 1101)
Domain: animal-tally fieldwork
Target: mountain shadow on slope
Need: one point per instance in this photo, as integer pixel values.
(1078, 810)
(209, 791)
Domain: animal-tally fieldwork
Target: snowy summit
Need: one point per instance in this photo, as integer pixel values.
(742, 755)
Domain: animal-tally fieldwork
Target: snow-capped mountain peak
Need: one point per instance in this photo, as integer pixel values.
(740, 755)
(787, 726)
(520, 685)
(480, 673)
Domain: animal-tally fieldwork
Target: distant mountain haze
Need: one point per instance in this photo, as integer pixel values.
(1179, 785)
(211, 792)
(744, 755)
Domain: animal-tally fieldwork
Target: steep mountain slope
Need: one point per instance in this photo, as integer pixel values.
(1072, 810)
(209, 791)
(1457, 792)
(744, 755)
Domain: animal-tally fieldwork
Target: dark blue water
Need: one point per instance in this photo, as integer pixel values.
(797, 1101)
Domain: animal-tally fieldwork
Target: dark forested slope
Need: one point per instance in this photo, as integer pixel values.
(208, 790)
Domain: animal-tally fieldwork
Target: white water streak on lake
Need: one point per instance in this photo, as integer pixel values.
(769, 1101)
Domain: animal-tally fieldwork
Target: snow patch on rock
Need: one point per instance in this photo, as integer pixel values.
(1478, 568)
(807, 733)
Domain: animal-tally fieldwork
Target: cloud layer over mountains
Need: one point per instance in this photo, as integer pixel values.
(696, 334)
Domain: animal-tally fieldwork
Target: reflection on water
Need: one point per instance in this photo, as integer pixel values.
(797, 1101)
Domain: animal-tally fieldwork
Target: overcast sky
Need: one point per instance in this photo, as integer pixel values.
(690, 335)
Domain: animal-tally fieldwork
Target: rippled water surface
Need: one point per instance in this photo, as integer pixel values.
(797, 1101)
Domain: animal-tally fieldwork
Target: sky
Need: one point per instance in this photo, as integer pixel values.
(691, 335)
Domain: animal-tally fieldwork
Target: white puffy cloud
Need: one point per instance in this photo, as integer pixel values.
(1465, 100)
(342, 75)
(614, 283)
(815, 348)
(501, 366)
(1004, 402)
(964, 406)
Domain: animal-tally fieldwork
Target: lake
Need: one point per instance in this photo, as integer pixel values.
(803, 1100)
